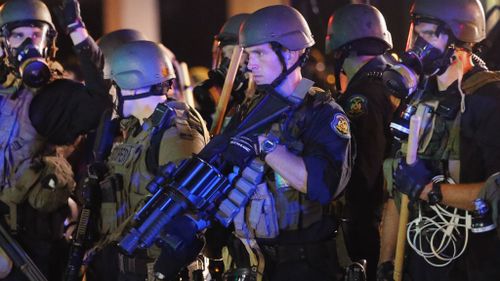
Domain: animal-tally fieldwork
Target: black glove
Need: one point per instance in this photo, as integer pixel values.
(385, 271)
(68, 15)
(411, 179)
(218, 76)
(217, 145)
(241, 150)
(205, 102)
(4, 71)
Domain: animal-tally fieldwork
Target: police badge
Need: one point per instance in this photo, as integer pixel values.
(340, 125)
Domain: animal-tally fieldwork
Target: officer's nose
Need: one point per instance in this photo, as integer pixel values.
(251, 65)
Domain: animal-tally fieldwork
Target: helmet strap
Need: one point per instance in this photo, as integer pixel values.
(339, 58)
(278, 49)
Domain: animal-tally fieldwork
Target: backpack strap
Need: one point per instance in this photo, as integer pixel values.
(161, 119)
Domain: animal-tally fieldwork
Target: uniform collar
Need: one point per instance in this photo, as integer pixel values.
(377, 64)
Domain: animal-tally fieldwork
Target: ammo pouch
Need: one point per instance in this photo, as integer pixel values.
(109, 187)
(314, 252)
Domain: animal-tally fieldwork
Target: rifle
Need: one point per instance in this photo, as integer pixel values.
(91, 196)
(19, 257)
(198, 186)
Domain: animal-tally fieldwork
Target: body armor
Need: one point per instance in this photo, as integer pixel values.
(182, 136)
(19, 141)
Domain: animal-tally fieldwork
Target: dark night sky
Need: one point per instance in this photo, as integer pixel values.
(188, 26)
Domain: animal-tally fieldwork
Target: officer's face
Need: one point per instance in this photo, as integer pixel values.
(19, 34)
(263, 63)
(427, 31)
(140, 108)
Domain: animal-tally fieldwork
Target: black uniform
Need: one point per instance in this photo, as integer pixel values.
(479, 154)
(305, 247)
(367, 104)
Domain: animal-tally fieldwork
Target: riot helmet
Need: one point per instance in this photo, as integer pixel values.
(282, 27)
(437, 28)
(141, 64)
(228, 34)
(279, 23)
(225, 39)
(28, 36)
(358, 23)
(112, 41)
(464, 18)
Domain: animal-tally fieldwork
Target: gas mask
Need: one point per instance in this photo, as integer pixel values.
(421, 59)
(29, 57)
(31, 64)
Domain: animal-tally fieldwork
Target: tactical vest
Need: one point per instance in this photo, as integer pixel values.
(20, 183)
(182, 134)
(294, 210)
(19, 141)
(439, 137)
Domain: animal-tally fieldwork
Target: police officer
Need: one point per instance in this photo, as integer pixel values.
(306, 155)
(464, 99)
(358, 38)
(27, 41)
(155, 131)
(208, 92)
(93, 58)
(28, 49)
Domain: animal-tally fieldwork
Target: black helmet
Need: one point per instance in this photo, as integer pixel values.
(465, 18)
(355, 22)
(112, 41)
(228, 34)
(281, 24)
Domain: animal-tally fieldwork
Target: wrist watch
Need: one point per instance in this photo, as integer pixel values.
(435, 196)
(268, 146)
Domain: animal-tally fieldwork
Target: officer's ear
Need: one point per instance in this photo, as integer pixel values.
(291, 57)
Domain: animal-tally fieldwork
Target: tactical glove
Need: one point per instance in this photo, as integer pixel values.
(68, 15)
(241, 150)
(411, 179)
(216, 146)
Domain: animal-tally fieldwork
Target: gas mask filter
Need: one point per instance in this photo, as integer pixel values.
(31, 64)
(420, 59)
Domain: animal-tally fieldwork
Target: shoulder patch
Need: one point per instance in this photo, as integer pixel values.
(356, 105)
(340, 125)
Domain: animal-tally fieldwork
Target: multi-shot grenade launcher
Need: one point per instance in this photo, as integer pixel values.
(201, 189)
